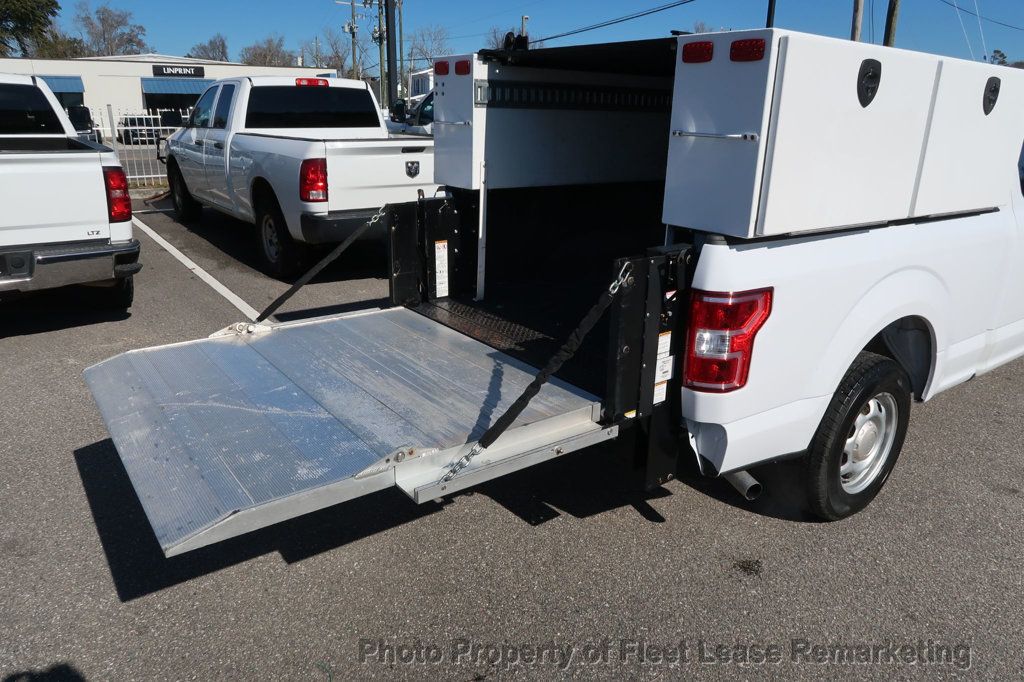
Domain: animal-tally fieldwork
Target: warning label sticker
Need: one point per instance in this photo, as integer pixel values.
(441, 268)
(663, 368)
(660, 392)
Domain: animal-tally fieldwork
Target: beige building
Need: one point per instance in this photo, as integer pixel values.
(137, 82)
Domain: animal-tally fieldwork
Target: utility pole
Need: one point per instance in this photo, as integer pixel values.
(891, 17)
(401, 44)
(380, 37)
(770, 21)
(858, 19)
(522, 25)
(389, 33)
(351, 29)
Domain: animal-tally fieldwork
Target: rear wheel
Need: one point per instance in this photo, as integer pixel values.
(859, 439)
(186, 208)
(282, 257)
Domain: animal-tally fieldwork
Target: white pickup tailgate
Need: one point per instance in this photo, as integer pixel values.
(784, 144)
(51, 198)
(372, 173)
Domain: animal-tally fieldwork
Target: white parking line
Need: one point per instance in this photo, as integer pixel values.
(231, 296)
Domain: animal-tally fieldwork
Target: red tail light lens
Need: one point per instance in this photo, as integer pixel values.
(313, 180)
(721, 335)
(751, 50)
(312, 82)
(699, 52)
(462, 67)
(119, 203)
(441, 68)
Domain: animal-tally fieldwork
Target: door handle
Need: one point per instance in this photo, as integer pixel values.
(218, 145)
(200, 142)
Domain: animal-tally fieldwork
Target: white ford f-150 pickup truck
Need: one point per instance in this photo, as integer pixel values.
(307, 160)
(767, 244)
(66, 213)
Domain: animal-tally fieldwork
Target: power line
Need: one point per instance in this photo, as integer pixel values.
(617, 20)
(984, 18)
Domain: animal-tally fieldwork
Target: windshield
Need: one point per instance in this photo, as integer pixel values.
(310, 107)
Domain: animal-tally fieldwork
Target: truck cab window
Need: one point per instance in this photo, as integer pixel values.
(227, 95)
(204, 107)
(24, 110)
(425, 113)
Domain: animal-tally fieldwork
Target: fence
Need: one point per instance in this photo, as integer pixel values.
(137, 137)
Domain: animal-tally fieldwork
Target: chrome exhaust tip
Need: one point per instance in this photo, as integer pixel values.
(745, 484)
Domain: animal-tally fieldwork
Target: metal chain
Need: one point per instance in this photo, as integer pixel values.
(620, 280)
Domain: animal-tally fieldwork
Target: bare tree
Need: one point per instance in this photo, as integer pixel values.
(702, 27)
(215, 49)
(427, 43)
(110, 31)
(329, 50)
(496, 37)
(267, 52)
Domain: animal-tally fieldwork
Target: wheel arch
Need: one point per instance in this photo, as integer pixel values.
(901, 317)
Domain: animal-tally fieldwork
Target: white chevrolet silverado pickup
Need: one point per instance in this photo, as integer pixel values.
(66, 213)
(307, 160)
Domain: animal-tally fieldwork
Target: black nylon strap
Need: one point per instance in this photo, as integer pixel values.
(313, 272)
(568, 349)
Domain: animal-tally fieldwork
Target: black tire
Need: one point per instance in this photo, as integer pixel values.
(280, 255)
(874, 387)
(119, 297)
(186, 208)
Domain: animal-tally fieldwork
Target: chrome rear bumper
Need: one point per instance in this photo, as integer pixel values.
(31, 268)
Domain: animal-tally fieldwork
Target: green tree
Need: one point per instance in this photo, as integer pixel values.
(24, 21)
(55, 44)
(998, 57)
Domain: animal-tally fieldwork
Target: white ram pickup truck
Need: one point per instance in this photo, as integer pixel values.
(786, 241)
(66, 216)
(307, 160)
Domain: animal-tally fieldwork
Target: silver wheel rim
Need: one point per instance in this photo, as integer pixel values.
(868, 443)
(271, 245)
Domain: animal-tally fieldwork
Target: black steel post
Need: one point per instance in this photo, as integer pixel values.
(770, 21)
(389, 10)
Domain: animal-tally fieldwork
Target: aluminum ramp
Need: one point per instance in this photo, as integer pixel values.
(239, 431)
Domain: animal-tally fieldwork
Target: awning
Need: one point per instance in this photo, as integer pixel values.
(64, 83)
(175, 86)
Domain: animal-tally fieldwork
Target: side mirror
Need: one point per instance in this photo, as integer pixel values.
(398, 112)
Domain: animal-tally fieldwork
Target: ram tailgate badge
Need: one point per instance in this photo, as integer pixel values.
(412, 168)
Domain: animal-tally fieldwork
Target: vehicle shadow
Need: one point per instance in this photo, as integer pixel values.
(577, 484)
(783, 497)
(53, 310)
(237, 241)
(58, 672)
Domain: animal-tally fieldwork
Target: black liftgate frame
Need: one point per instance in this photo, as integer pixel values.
(647, 316)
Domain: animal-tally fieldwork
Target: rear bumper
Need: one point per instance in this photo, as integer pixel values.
(336, 226)
(31, 268)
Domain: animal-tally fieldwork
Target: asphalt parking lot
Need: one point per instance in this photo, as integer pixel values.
(556, 570)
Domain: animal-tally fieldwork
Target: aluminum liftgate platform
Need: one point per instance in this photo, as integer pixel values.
(239, 431)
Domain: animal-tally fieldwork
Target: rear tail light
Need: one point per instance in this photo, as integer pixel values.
(312, 82)
(313, 180)
(441, 68)
(720, 340)
(462, 67)
(119, 203)
(750, 50)
(698, 52)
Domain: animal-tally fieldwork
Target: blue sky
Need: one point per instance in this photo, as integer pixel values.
(927, 25)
